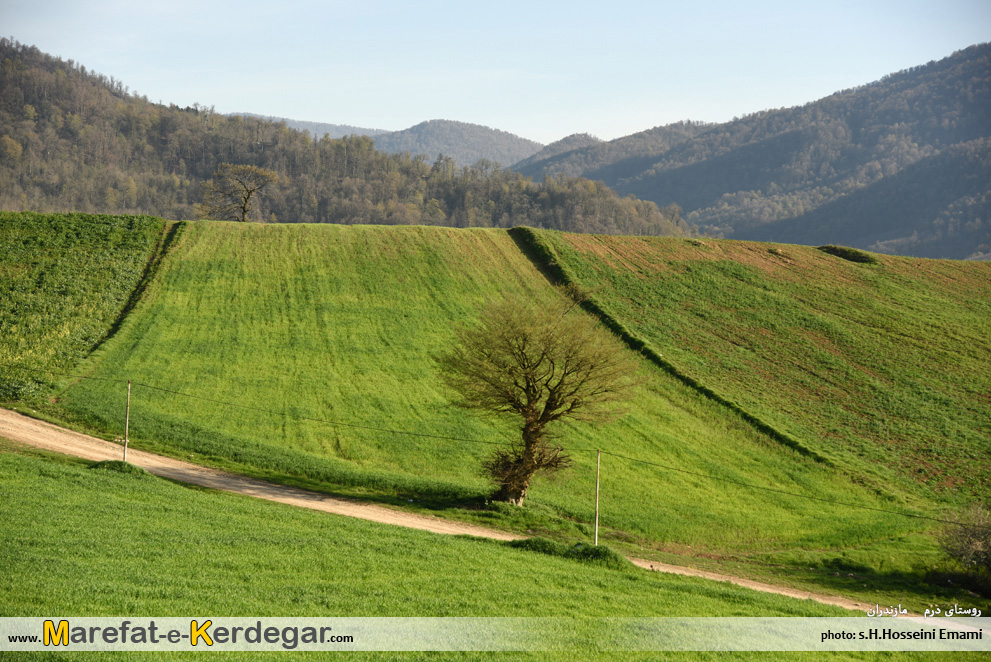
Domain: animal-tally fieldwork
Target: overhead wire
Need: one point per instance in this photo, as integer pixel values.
(494, 443)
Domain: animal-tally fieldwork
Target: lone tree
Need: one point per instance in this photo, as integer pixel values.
(538, 365)
(227, 197)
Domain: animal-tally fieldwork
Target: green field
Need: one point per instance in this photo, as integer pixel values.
(340, 323)
(65, 280)
(303, 354)
(141, 545)
(885, 364)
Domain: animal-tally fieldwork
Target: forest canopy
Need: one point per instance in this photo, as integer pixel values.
(73, 140)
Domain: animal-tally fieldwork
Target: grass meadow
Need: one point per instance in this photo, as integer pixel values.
(883, 367)
(105, 543)
(303, 354)
(333, 323)
(64, 281)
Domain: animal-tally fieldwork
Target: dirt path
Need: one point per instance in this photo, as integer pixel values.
(39, 434)
(32, 432)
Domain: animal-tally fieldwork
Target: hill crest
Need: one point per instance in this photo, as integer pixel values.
(464, 142)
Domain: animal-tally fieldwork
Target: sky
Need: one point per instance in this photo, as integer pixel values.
(540, 70)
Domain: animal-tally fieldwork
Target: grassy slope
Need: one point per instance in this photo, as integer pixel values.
(64, 280)
(145, 546)
(871, 364)
(339, 323)
(335, 322)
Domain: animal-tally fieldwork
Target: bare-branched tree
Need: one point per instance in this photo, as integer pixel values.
(538, 365)
(227, 197)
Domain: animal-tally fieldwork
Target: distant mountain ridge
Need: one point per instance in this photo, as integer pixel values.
(319, 129)
(900, 165)
(611, 160)
(837, 170)
(558, 147)
(465, 143)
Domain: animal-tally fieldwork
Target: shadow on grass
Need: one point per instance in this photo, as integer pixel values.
(940, 586)
(325, 477)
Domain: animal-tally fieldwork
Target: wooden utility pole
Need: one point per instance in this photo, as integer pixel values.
(598, 463)
(127, 418)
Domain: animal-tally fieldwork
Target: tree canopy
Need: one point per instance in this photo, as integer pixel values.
(538, 365)
(227, 197)
(71, 140)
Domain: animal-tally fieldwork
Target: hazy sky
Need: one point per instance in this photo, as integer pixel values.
(541, 70)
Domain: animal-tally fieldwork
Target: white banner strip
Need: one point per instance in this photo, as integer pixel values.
(494, 634)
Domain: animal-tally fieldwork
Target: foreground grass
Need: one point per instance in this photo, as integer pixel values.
(86, 541)
(99, 542)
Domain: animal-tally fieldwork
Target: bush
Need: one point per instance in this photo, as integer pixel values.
(851, 254)
(119, 467)
(540, 545)
(584, 553)
(970, 542)
(601, 555)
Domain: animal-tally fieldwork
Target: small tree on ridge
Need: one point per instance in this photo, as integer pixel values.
(227, 197)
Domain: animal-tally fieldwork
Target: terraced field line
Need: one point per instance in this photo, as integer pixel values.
(39, 434)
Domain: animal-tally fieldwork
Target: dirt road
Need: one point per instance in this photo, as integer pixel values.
(32, 432)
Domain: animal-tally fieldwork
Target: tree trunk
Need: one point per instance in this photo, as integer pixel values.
(513, 494)
(516, 482)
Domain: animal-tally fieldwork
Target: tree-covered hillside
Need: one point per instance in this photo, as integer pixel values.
(615, 160)
(839, 170)
(558, 147)
(71, 140)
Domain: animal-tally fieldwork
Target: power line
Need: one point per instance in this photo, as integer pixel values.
(777, 491)
(319, 420)
(262, 409)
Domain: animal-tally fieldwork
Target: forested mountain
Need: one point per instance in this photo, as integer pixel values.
(616, 159)
(463, 142)
(318, 130)
(71, 140)
(900, 165)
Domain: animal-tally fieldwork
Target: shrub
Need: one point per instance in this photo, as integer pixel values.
(969, 543)
(851, 254)
(119, 467)
(601, 555)
(582, 552)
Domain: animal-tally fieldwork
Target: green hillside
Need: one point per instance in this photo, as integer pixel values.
(340, 324)
(303, 353)
(882, 363)
(65, 281)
